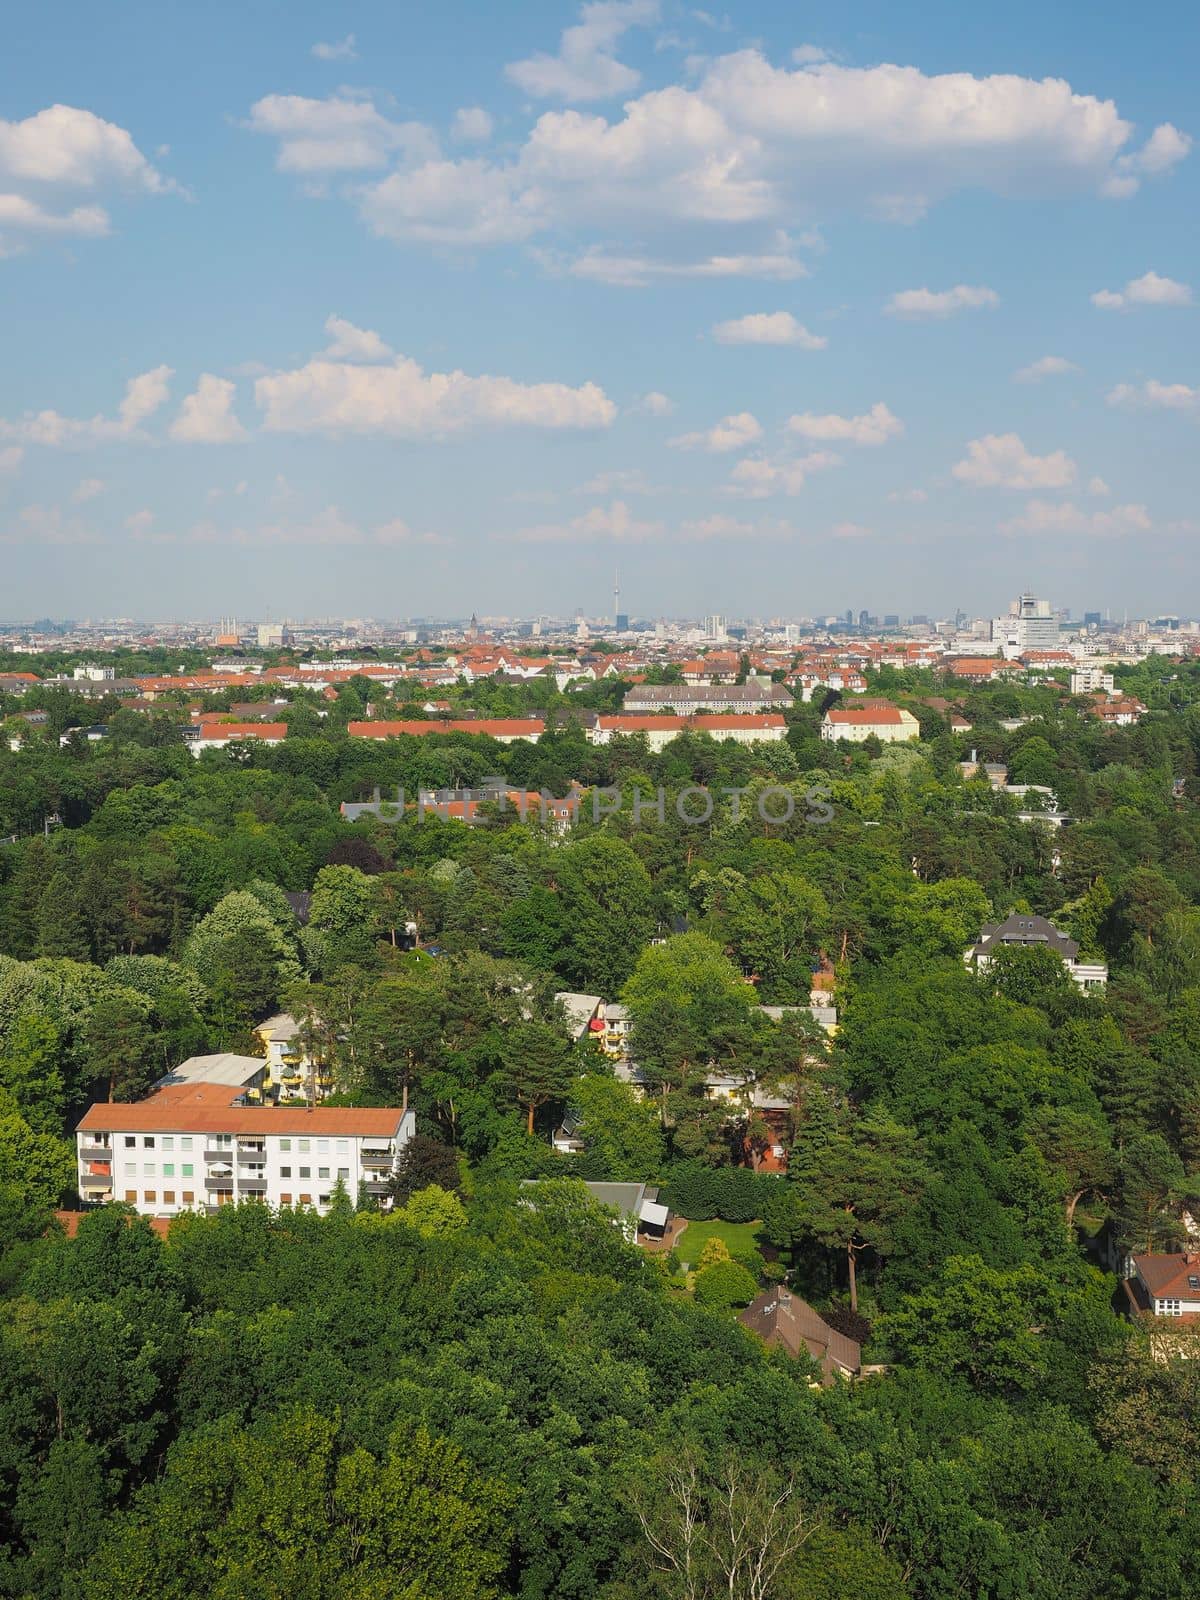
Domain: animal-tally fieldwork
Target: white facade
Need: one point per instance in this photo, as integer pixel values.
(169, 1169)
(1090, 680)
(856, 726)
(1030, 625)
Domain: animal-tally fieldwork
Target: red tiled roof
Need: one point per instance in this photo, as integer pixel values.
(497, 727)
(208, 1108)
(866, 716)
(242, 730)
(1166, 1276)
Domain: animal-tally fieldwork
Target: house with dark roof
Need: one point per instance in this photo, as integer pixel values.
(783, 1320)
(1023, 930)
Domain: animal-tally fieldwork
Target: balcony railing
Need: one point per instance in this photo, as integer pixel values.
(223, 1181)
(378, 1158)
(95, 1152)
(219, 1152)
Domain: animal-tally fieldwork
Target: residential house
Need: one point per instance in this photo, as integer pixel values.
(757, 694)
(743, 727)
(1025, 931)
(216, 735)
(507, 730)
(783, 1320)
(1165, 1285)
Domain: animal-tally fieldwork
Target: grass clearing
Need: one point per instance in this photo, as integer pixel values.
(737, 1236)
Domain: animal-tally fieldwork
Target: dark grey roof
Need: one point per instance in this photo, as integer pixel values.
(1024, 929)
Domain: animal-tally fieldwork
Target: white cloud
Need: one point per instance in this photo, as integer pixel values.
(403, 401)
(348, 343)
(340, 134)
(699, 529)
(1044, 367)
(655, 404)
(471, 125)
(850, 530)
(634, 272)
(206, 416)
(144, 395)
(11, 457)
(734, 432)
(1099, 488)
(874, 427)
(46, 525)
(1149, 290)
(586, 67)
(933, 304)
(87, 489)
(768, 327)
(614, 523)
(65, 147)
(1164, 149)
(741, 146)
(342, 50)
(1001, 461)
(758, 478)
(1047, 516)
(621, 480)
(908, 497)
(1155, 396)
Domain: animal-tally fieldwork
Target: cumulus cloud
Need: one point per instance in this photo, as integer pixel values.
(655, 404)
(620, 480)
(698, 530)
(586, 67)
(849, 530)
(144, 395)
(1155, 396)
(1001, 461)
(874, 427)
(1099, 488)
(403, 401)
(11, 457)
(471, 125)
(613, 523)
(768, 327)
(919, 305)
(734, 432)
(1044, 367)
(1150, 289)
(206, 416)
(1164, 149)
(348, 343)
(908, 497)
(742, 144)
(1054, 516)
(757, 478)
(340, 50)
(46, 525)
(87, 489)
(343, 133)
(635, 272)
(65, 148)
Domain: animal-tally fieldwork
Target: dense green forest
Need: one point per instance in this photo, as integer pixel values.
(486, 1394)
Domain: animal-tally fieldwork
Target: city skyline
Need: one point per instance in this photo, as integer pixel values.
(399, 316)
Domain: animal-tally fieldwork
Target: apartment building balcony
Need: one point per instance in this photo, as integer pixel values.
(383, 1156)
(254, 1179)
(95, 1152)
(219, 1180)
(251, 1147)
(377, 1186)
(219, 1153)
(95, 1178)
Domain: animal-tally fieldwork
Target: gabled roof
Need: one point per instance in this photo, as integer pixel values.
(1170, 1277)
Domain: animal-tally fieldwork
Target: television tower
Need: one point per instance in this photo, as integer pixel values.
(616, 595)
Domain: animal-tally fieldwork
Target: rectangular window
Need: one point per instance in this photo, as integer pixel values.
(302, 1146)
(343, 1147)
(306, 1172)
(285, 1199)
(148, 1141)
(131, 1197)
(168, 1197)
(343, 1174)
(148, 1169)
(151, 1197)
(285, 1144)
(168, 1169)
(322, 1199)
(285, 1172)
(323, 1172)
(185, 1171)
(186, 1142)
(188, 1197)
(130, 1141)
(168, 1141)
(322, 1147)
(306, 1199)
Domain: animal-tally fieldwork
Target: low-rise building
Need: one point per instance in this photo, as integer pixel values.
(507, 730)
(216, 735)
(743, 727)
(757, 694)
(783, 1320)
(855, 724)
(1024, 931)
(196, 1146)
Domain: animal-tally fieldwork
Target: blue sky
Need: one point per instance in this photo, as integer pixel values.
(375, 310)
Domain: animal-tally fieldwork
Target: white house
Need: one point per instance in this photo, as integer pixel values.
(1026, 931)
(743, 727)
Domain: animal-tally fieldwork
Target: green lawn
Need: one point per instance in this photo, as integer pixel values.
(737, 1236)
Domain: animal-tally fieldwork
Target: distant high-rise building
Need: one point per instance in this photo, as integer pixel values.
(1092, 619)
(1030, 625)
(864, 619)
(850, 618)
(892, 620)
(622, 621)
(714, 628)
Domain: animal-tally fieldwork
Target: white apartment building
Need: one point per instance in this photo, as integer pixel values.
(1030, 625)
(1090, 680)
(196, 1146)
